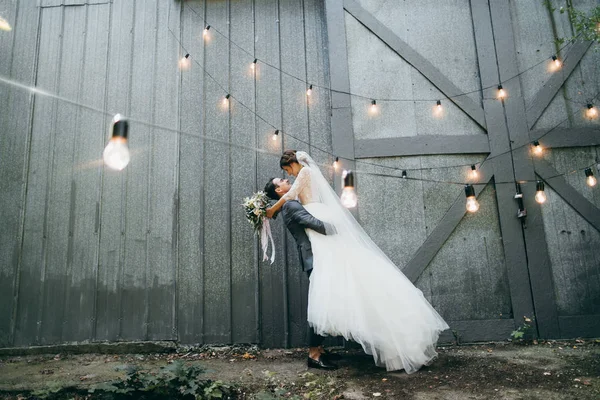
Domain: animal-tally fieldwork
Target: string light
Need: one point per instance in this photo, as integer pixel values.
(474, 174)
(521, 212)
(540, 196)
(275, 134)
(537, 148)
(309, 90)
(4, 25)
(206, 29)
(404, 174)
(439, 105)
(185, 62)
(591, 112)
(116, 153)
(253, 65)
(557, 62)
(348, 197)
(336, 163)
(373, 106)
(472, 204)
(590, 178)
(501, 92)
(226, 99)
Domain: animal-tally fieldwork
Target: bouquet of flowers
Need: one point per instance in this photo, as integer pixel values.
(255, 208)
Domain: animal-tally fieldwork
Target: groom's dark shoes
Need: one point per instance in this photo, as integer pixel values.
(321, 363)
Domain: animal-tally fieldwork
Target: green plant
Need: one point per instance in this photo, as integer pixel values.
(519, 333)
(586, 25)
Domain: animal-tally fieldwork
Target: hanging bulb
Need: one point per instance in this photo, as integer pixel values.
(474, 174)
(348, 197)
(501, 92)
(4, 25)
(591, 112)
(537, 148)
(404, 174)
(226, 99)
(557, 62)
(253, 65)
(438, 105)
(275, 134)
(185, 62)
(206, 29)
(116, 152)
(309, 90)
(373, 106)
(336, 163)
(472, 204)
(540, 196)
(591, 179)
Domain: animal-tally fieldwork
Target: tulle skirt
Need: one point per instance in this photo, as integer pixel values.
(359, 294)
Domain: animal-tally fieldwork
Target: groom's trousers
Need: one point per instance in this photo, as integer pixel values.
(314, 340)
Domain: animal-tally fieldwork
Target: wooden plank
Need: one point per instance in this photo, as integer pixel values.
(86, 180)
(579, 326)
(190, 296)
(583, 206)
(425, 67)
(566, 137)
(421, 145)
(511, 230)
(443, 230)
(268, 106)
(244, 257)
(478, 330)
(111, 255)
(538, 261)
(546, 93)
(17, 106)
(162, 222)
(217, 164)
(135, 285)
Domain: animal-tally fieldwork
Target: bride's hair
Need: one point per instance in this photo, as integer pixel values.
(288, 158)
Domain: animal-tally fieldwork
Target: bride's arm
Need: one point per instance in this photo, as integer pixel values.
(275, 207)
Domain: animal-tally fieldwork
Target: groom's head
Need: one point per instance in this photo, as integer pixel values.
(277, 187)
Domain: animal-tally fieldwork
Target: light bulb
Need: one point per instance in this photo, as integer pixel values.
(591, 112)
(557, 62)
(116, 153)
(253, 65)
(501, 92)
(4, 25)
(439, 105)
(309, 90)
(373, 107)
(537, 148)
(336, 163)
(205, 32)
(275, 134)
(540, 195)
(590, 178)
(226, 100)
(472, 204)
(348, 197)
(185, 62)
(474, 174)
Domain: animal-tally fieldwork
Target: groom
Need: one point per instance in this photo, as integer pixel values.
(297, 219)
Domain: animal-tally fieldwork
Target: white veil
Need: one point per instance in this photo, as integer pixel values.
(342, 219)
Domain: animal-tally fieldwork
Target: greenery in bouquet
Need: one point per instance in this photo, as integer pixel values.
(256, 209)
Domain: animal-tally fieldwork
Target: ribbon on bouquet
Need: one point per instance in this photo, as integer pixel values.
(265, 235)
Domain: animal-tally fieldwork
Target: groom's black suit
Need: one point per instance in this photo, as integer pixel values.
(297, 219)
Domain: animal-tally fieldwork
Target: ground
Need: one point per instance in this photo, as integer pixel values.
(545, 370)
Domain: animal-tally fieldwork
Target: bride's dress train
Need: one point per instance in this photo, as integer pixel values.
(356, 291)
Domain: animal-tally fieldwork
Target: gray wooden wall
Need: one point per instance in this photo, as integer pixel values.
(161, 250)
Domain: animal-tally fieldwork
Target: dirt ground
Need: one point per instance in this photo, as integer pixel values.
(546, 370)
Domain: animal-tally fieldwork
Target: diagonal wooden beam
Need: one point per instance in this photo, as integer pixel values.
(566, 137)
(444, 229)
(545, 95)
(583, 206)
(421, 145)
(404, 50)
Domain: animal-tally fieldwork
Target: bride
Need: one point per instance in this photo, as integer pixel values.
(355, 290)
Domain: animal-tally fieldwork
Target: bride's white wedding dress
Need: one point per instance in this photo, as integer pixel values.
(356, 291)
